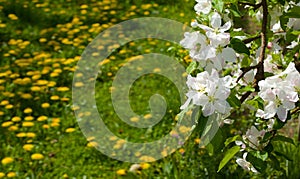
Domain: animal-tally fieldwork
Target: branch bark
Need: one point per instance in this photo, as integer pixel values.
(264, 42)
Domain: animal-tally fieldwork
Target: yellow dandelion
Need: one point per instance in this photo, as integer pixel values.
(28, 118)
(45, 105)
(51, 84)
(62, 89)
(184, 129)
(16, 119)
(9, 106)
(78, 84)
(30, 134)
(42, 82)
(147, 158)
(1, 113)
(4, 103)
(181, 151)
(42, 118)
(46, 126)
(65, 99)
(54, 124)
(7, 124)
(7, 160)
(134, 119)
(13, 128)
(197, 141)
(121, 172)
(164, 153)
(36, 77)
(42, 40)
(54, 98)
(2, 174)
(37, 156)
(69, 130)
(13, 17)
(27, 110)
(147, 116)
(35, 88)
(28, 147)
(92, 144)
(84, 6)
(27, 124)
(11, 174)
(156, 70)
(21, 134)
(145, 165)
(26, 96)
(112, 138)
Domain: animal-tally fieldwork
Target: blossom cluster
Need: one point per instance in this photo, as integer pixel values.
(270, 76)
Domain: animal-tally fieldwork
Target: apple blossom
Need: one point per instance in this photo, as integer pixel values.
(208, 91)
(203, 6)
(245, 164)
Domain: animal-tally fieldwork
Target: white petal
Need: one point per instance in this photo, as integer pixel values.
(216, 20)
(208, 109)
(282, 113)
(225, 27)
(229, 54)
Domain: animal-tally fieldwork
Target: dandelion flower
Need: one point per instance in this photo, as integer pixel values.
(27, 110)
(45, 105)
(28, 147)
(7, 160)
(69, 130)
(11, 174)
(121, 172)
(37, 156)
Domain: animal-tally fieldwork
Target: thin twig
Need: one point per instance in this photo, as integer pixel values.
(255, 6)
(246, 41)
(244, 71)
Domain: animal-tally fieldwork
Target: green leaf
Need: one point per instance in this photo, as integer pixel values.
(228, 156)
(232, 139)
(278, 124)
(218, 4)
(284, 155)
(233, 101)
(192, 66)
(246, 61)
(283, 139)
(274, 162)
(258, 163)
(261, 155)
(246, 89)
(239, 46)
(293, 12)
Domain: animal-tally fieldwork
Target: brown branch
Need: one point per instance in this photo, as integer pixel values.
(246, 41)
(255, 6)
(264, 42)
(244, 71)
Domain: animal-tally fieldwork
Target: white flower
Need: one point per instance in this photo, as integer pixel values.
(253, 137)
(217, 34)
(294, 23)
(245, 164)
(208, 91)
(195, 42)
(280, 93)
(203, 6)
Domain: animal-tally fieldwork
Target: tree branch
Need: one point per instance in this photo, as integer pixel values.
(264, 42)
(244, 71)
(255, 6)
(246, 41)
